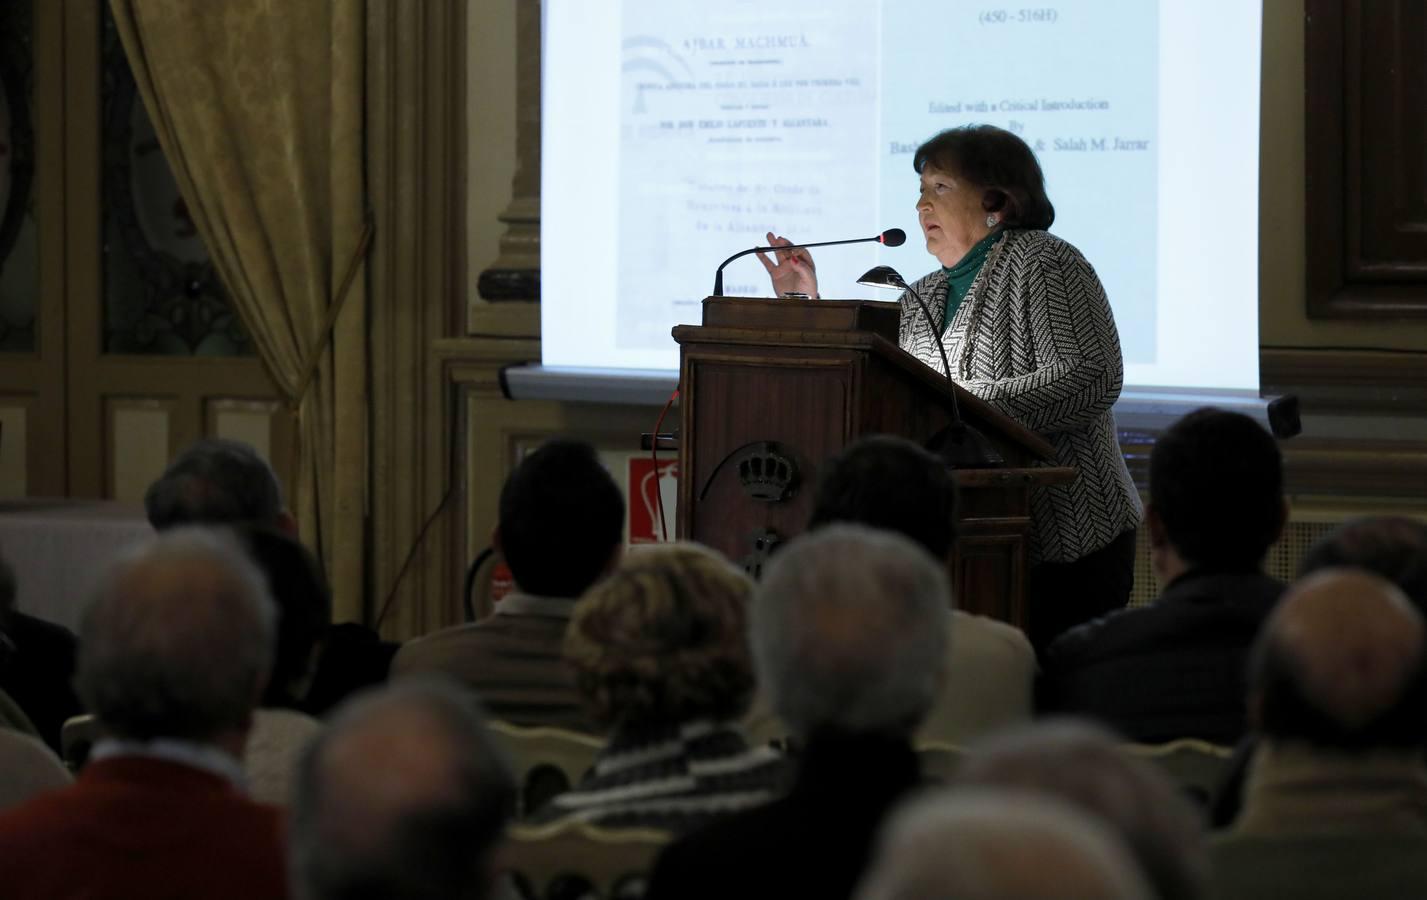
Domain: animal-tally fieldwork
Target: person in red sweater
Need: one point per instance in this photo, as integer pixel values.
(173, 656)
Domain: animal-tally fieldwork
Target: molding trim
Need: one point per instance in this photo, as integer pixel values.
(1342, 368)
(1393, 472)
(520, 245)
(416, 107)
(1368, 473)
(1363, 382)
(505, 320)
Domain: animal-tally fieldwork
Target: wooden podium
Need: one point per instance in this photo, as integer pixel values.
(771, 389)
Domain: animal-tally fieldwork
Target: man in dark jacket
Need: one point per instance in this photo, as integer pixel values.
(1175, 668)
(36, 665)
(561, 530)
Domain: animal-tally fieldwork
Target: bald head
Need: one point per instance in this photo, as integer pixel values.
(990, 845)
(1340, 662)
(178, 640)
(403, 796)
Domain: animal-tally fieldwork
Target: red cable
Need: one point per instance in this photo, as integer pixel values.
(654, 455)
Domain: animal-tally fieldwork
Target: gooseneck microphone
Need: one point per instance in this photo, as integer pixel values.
(959, 445)
(892, 237)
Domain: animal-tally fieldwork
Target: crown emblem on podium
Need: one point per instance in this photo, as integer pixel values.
(767, 472)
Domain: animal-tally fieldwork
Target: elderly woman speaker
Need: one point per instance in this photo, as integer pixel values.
(1023, 322)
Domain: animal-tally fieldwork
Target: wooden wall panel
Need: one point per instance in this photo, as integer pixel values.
(249, 426)
(138, 444)
(14, 444)
(1366, 156)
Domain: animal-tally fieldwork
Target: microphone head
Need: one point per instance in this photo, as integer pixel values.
(882, 277)
(894, 237)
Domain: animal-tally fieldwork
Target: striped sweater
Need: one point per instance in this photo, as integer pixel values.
(1035, 338)
(675, 778)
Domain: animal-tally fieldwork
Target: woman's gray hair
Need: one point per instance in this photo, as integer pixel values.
(849, 629)
(1085, 766)
(977, 844)
(177, 641)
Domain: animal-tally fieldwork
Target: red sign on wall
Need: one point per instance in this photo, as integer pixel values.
(646, 494)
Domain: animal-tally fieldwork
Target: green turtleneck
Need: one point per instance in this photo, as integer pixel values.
(960, 277)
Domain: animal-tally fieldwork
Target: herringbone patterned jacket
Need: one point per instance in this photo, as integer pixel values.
(1036, 339)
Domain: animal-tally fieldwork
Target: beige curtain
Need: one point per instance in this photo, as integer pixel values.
(258, 105)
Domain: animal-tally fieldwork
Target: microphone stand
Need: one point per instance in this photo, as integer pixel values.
(958, 444)
(887, 237)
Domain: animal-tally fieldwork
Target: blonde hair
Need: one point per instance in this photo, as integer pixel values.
(663, 639)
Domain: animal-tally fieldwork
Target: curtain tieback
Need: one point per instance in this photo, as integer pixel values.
(314, 356)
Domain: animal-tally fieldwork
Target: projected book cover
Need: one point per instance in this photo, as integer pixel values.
(805, 123)
(743, 124)
(676, 133)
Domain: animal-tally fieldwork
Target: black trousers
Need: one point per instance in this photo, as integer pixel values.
(1060, 596)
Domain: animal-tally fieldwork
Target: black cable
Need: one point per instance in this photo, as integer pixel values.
(470, 582)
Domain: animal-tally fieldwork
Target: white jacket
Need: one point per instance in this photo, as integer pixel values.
(1035, 338)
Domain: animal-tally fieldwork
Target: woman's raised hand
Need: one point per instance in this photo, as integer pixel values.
(793, 271)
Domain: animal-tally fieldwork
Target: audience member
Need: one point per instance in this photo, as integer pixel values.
(891, 483)
(1394, 547)
(1083, 766)
(984, 845)
(404, 796)
(218, 482)
(303, 600)
(13, 718)
(660, 652)
(280, 731)
(36, 665)
(27, 768)
(1175, 668)
(560, 531)
(349, 658)
(1337, 695)
(849, 638)
(174, 652)
(1391, 546)
(1335, 803)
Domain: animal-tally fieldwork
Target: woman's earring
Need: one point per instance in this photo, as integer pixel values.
(991, 221)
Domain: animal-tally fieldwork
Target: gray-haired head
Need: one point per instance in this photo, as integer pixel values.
(1085, 766)
(217, 482)
(178, 639)
(404, 795)
(849, 629)
(987, 845)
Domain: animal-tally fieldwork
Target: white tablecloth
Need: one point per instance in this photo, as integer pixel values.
(58, 548)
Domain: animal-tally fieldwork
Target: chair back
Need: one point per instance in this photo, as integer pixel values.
(77, 737)
(570, 860)
(1198, 767)
(548, 761)
(938, 760)
(1317, 866)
